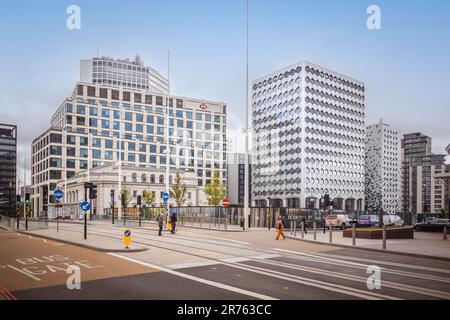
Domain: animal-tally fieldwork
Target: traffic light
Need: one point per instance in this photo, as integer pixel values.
(139, 200)
(18, 199)
(326, 200)
(27, 198)
(93, 192)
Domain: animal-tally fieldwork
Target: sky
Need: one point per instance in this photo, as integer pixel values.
(405, 65)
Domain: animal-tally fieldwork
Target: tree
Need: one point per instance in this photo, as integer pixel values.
(149, 198)
(215, 190)
(125, 196)
(178, 191)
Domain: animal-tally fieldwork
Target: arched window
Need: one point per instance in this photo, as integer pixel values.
(134, 177)
(170, 179)
(161, 179)
(152, 178)
(144, 178)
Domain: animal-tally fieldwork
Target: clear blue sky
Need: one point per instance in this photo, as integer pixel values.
(405, 65)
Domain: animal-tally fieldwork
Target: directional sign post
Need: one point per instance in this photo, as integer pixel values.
(127, 238)
(58, 194)
(85, 206)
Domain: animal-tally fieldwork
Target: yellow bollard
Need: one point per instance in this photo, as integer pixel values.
(127, 238)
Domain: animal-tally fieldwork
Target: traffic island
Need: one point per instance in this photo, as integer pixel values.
(377, 233)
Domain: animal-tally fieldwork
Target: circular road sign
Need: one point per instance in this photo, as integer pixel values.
(226, 203)
(85, 206)
(165, 196)
(58, 194)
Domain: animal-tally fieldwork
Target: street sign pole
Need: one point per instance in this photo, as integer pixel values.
(85, 214)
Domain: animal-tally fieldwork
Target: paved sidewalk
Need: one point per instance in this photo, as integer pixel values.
(424, 243)
(92, 242)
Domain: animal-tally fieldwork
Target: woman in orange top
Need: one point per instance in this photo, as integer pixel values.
(280, 228)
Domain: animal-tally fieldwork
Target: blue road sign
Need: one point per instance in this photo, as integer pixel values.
(165, 196)
(127, 233)
(58, 194)
(85, 206)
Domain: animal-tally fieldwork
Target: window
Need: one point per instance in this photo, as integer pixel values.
(71, 140)
(198, 117)
(108, 155)
(148, 99)
(83, 164)
(83, 153)
(83, 141)
(139, 117)
(128, 126)
(116, 125)
(139, 128)
(93, 122)
(126, 96)
(128, 116)
(160, 121)
(159, 101)
(69, 107)
(142, 158)
(103, 93)
(116, 114)
(93, 111)
(161, 179)
(96, 154)
(150, 129)
(55, 150)
(188, 115)
(152, 148)
(80, 121)
(152, 179)
(69, 119)
(81, 109)
(105, 124)
(108, 144)
(70, 152)
(131, 157)
(70, 163)
(96, 142)
(55, 163)
(208, 117)
(150, 119)
(106, 113)
(131, 146)
(217, 119)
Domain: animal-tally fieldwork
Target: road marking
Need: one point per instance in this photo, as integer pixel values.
(350, 277)
(200, 280)
(315, 283)
(342, 259)
(192, 265)
(218, 238)
(23, 272)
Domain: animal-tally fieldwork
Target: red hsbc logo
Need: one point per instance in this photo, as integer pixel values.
(203, 106)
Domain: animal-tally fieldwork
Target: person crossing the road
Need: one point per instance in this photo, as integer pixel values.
(280, 228)
(160, 223)
(173, 221)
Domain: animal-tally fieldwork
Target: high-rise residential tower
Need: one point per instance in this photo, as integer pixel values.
(308, 138)
(8, 161)
(421, 192)
(383, 168)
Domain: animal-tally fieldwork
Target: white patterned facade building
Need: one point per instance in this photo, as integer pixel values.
(383, 168)
(308, 138)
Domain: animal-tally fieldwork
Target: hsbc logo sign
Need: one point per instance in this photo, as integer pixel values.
(203, 106)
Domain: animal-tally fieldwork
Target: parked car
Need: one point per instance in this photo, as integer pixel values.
(433, 225)
(339, 220)
(368, 221)
(393, 220)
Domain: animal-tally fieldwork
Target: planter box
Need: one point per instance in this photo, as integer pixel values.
(377, 233)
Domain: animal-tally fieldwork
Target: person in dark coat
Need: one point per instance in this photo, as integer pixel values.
(173, 222)
(160, 224)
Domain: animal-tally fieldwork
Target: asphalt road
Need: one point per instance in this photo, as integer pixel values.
(195, 264)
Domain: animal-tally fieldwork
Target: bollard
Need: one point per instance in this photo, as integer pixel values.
(303, 230)
(354, 234)
(140, 221)
(384, 237)
(26, 222)
(291, 229)
(57, 224)
(295, 229)
(315, 230)
(445, 232)
(18, 221)
(331, 233)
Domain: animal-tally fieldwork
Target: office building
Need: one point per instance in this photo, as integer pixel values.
(98, 123)
(8, 161)
(309, 138)
(383, 168)
(123, 73)
(236, 178)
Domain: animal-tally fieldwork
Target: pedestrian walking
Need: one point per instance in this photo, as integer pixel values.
(280, 228)
(160, 223)
(304, 224)
(173, 222)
